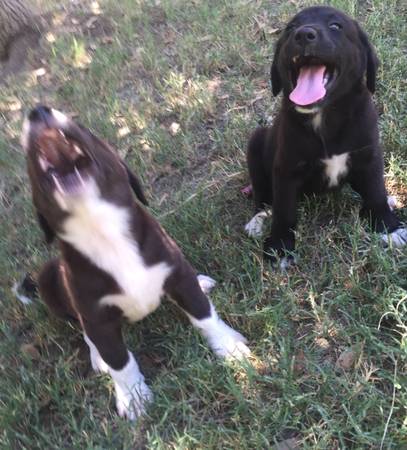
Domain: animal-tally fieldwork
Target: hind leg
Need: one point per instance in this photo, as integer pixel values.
(53, 290)
(369, 183)
(259, 161)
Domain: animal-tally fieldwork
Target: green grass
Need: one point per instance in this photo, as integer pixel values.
(201, 64)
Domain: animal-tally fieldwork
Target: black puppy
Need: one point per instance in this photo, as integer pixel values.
(115, 260)
(326, 130)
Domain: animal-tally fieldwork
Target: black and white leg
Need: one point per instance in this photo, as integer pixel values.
(109, 354)
(98, 365)
(281, 241)
(261, 182)
(223, 340)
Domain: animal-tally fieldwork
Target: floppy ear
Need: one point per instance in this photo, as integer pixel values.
(372, 62)
(276, 83)
(49, 233)
(135, 184)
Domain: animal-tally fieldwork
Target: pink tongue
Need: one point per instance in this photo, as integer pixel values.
(310, 86)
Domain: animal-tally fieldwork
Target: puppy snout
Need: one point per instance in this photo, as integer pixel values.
(306, 35)
(35, 122)
(40, 114)
(39, 119)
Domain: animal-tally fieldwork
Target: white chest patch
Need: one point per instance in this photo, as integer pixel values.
(317, 120)
(336, 167)
(100, 230)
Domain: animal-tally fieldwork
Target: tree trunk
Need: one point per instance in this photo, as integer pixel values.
(16, 17)
(19, 31)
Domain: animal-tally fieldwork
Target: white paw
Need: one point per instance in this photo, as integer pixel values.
(223, 340)
(131, 402)
(397, 238)
(254, 228)
(132, 393)
(287, 262)
(22, 298)
(228, 343)
(206, 283)
(392, 202)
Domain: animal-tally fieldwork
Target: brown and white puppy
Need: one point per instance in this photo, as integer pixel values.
(325, 132)
(116, 261)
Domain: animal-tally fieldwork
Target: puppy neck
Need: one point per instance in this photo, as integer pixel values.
(315, 112)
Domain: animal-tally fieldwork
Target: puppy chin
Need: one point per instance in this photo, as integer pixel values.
(70, 197)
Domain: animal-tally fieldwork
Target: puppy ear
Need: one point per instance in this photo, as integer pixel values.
(49, 233)
(276, 83)
(372, 62)
(135, 184)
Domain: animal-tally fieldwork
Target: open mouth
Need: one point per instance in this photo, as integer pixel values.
(311, 78)
(66, 175)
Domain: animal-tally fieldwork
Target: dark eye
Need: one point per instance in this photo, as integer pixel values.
(335, 26)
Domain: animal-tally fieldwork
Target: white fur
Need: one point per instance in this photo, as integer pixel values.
(60, 118)
(98, 365)
(101, 231)
(206, 283)
(134, 308)
(132, 393)
(286, 263)
(25, 132)
(223, 340)
(254, 228)
(335, 168)
(317, 120)
(392, 201)
(397, 238)
(23, 298)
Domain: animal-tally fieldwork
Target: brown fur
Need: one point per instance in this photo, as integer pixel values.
(71, 285)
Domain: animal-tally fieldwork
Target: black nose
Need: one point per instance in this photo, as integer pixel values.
(40, 114)
(305, 35)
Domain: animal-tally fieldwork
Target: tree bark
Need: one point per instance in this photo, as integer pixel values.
(20, 31)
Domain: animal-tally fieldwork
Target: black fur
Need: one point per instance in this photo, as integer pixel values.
(286, 159)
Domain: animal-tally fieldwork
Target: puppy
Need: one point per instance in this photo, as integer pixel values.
(325, 133)
(116, 261)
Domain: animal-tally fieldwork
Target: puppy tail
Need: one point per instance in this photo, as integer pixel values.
(26, 290)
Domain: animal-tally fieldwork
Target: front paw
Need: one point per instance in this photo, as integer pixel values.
(277, 253)
(254, 228)
(206, 283)
(131, 402)
(397, 238)
(228, 343)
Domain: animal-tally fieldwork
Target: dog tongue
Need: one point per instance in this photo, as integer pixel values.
(310, 86)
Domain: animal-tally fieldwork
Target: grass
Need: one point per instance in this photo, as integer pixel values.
(130, 70)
